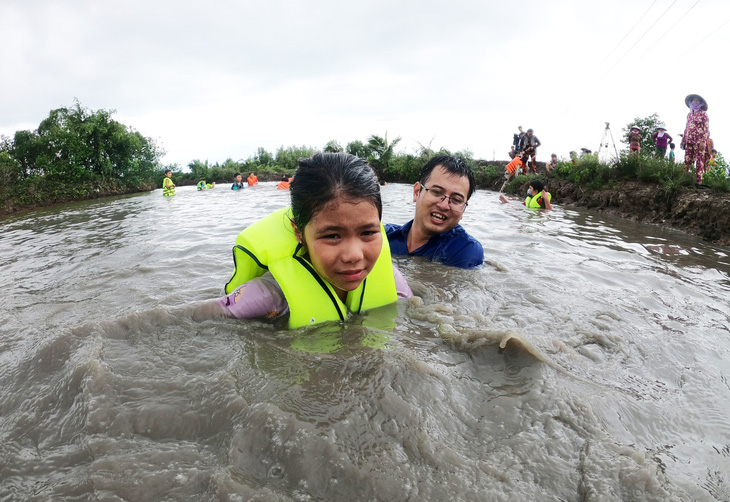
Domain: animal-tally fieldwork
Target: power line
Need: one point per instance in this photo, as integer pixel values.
(670, 29)
(639, 40)
(617, 45)
(627, 34)
(708, 36)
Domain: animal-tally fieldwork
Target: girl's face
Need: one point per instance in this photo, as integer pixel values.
(343, 240)
(696, 101)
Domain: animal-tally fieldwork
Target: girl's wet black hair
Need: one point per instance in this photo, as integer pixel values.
(326, 176)
(452, 165)
(537, 185)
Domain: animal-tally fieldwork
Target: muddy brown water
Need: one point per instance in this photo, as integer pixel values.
(588, 359)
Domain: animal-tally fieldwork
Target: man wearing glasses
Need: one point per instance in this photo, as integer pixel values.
(441, 196)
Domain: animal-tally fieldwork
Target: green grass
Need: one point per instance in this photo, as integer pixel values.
(650, 169)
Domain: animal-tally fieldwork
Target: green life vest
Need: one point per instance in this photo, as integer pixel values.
(167, 189)
(533, 202)
(202, 185)
(270, 244)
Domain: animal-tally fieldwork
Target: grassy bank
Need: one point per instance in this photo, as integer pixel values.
(590, 174)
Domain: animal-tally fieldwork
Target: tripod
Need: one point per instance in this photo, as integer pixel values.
(604, 141)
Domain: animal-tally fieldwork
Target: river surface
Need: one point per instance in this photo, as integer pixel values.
(588, 359)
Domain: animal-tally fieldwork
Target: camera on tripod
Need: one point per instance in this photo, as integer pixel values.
(604, 144)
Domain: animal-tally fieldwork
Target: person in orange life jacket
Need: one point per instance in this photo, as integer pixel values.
(445, 185)
(237, 182)
(510, 169)
(537, 197)
(252, 179)
(283, 184)
(335, 216)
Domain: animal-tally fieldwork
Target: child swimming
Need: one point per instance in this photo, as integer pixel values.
(321, 258)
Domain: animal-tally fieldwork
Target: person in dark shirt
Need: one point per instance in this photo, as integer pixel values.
(237, 182)
(446, 184)
(528, 145)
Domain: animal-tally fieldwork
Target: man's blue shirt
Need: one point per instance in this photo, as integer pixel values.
(455, 248)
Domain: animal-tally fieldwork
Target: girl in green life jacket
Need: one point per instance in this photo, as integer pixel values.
(323, 257)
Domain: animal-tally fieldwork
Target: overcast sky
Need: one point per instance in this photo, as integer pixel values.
(215, 80)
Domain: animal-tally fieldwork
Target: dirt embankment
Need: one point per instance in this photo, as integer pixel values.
(701, 212)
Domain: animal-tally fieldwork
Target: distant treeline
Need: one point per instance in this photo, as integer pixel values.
(77, 153)
(388, 164)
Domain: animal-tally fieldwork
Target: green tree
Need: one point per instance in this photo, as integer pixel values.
(333, 146)
(358, 149)
(381, 153)
(199, 169)
(647, 126)
(10, 170)
(288, 158)
(718, 175)
(466, 155)
(77, 144)
(25, 150)
(263, 158)
(425, 152)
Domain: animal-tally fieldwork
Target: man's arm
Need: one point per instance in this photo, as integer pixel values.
(469, 256)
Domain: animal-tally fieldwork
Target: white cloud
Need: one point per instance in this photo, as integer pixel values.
(218, 79)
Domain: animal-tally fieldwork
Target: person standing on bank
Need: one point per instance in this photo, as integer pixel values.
(695, 136)
(635, 140)
(662, 139)
(441, 194)
(552, 164)
(529, 148)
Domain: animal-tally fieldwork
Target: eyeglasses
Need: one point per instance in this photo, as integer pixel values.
(457, 202)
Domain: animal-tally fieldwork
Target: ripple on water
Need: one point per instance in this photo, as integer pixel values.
(588, 357)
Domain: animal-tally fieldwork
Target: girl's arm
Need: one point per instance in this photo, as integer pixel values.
(401, 285)
(260, 297)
